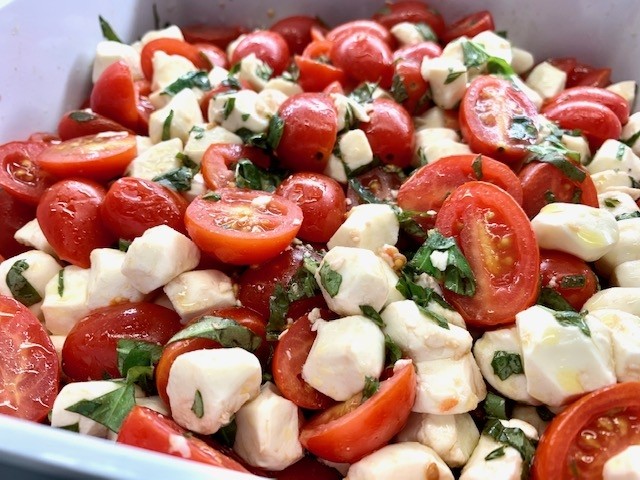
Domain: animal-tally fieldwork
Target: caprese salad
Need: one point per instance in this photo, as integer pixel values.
(390, 249)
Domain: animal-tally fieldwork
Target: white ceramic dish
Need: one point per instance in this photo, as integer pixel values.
(47, 47)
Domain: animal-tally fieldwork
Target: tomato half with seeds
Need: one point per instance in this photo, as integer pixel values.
(29, 366)
(243, 227)
(578, 441)
(469, 26)
(171, 46)
(496, 237)
(20, 172)
(219, 161)
(412, 11)
(569, 276)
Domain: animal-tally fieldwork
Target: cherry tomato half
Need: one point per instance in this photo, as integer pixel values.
(219, 161)
(412, 11)
(20, 172)
(364, 58)
(296, 31)
(607, 98)
(469, 26)
(367, 27)
(268, 46)
(569, 276)
(171, 46)
(78, 123)
(114, 95)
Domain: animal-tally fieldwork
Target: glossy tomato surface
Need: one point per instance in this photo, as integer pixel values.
(296, 31)
(79, 123)
(171, 46)
(114, 95)
(220, 159)
(20, 172)
(412, 11)
(14, 215)
(364, 58)
(569, 276)
(469, 26)
(268, 46)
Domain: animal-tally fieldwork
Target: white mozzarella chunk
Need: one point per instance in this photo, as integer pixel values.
(611, 180)
(254, 71)
(406, 33)
(426, 137)
(369, 226)
(586, 232)
(448, 80)
(193, 293)
(267, 431)
(168, 68)
(624, 465)
(143, 144)
(503, 342)
(185, 111)
(453, 49)
(449, 386)
(171, 31)
(65, 299)
(443, 148)
(529, 414)
(436, 117)
(630, 131)
(617, 202)
(626, 89)
(615, 155)
(547, 80)
(626, 274)
(452, 437)
(109, 52)
(625, 336)
(198, 187)
(203, 136)
(534, 96)
(106, 284)
(505, 467)
(355, 149)
(284, 86)
(406, 460)
(154, 403)
(31, 235)
(392, 280)
(36, 267)
(232, 45)
(627, 247)
(207, 387)
(344, 352)
(157, 160)
(217, 75)
(622, 298)
(237, 110)
(363, 280)
(450, 315)
(420, 337)
(562, 361)
(522, 61)
(494, 45)
(158, 256)
(579, 144)
(348, 110)
(269, 101)
(335, 169)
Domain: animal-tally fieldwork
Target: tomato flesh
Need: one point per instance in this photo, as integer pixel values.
(20, 172)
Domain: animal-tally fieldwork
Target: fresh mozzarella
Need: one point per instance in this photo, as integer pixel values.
(625, 336)
(522, 61)
(269, 101)
(630, 131)
(611, 180)
(626, 90)
(453, 49)
(185, 112)
(531, 94)
(268, 430)
(443, 148)
(624, 465)
(369, 226)
(207, 387)
(335, 169)
(626, 274)
(156, 257)
(284, 86)
(155, 403)
(447, 78)
(106, 284)
(426, 137)
(198, 187)
(348, 111)
(143, 144)
(626, 249)
(452, 437)
(406, 460)
(449, 386)
(586, 232)
(254, 71)
(31, 235)
(547, 80)
(449, 314)
(617, 202)
(615, 155)
(344, 352)
(157, 160)
(65, 299)
(561, 361)
(168, 68)
(202, 136)
(529, 414)
(355, 149)
(236, 110)
(171, 31)
(577, 143)
(109, 52)
(217, 75)
(494, 45)
(436, 117)
(406, 33)
(626, 299)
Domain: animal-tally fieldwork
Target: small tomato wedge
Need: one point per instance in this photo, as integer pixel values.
(171, 46)
(242, 227)
(114, 95)
(20, 173)
(350, 430)
(469, 26)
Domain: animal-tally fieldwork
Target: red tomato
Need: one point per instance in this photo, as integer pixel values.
(315, 76)
(590, 431)
(44, 137)
(390, 132)
(219, 161)
(364, 58)
(100, 157)
(411, 11)
(217, 56)
(569, 276)
(78, 123)
(29, 366)
(20, 173)
(144, 428)
(89, 351)
(321, 200)
(270, 47)
(244, 226)
(469, 26)
(296, 31)
(132, 205)
(613, 101)
(566, 64)
(334, 87)
(409, 87)
(367, 27)
(14, 215)
(587, 76)
(487, 113)
(114, 95)
(380, 181)
(69, 216)
(350, 430)
(596, 122)
(542, 183)
(416, 52)
(220, 36)
(309, 469)
(311, 116)
(496, 237)
(171, 46)
(289, 357)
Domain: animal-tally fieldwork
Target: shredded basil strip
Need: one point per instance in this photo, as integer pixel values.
(178, 179)
(371, 386)
(436, 317)
(274, 131)
(74, 427)
(364, 93)
(249, 175)
(61, 282)
(372, 314)
(398, 90)
(452, 76)
(523, 128)
(473, 54)
(110, 409)
(573, 281)
(136, 353)
(225, 331)
(330, 279)
(620, 152)
(505, 364)
(229, 105)
(212, 197)
(123, 245)
(278, 307)
(573, 319)
(264, 71)
(553, 151)
(419, 294)
(227, 434)
(107, 31)
(426, 32)
(497, 453)
(611, 202)
(476, 165)
(627, 216)
(198, 132)
(19, 286)
(198, 405)
(630, 142)
(166, 126)
(550, 298)
(82, 116)
(512, 437)
(393, 351)
(252, 138)
(495, 406)
(194, 79)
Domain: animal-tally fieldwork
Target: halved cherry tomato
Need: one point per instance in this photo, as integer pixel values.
(29, 366)
(543, 183)
(219, 161)
(469, 26)
(220, 36)
(416, 52)
(382, 182)
(409, 87)
(350, 430)
(496, 237)
(145, 428)
(607, 98)
(20, 173)
(132, 205)
(171, 46)
(315, 76)
(364, 58)
(411, 11)
(102, 156)
(487, 113)
(268, 46)
(215, 54)
(243, 227)
(89, 351)
(296, 31)
(581, 438)
(587, 76)
(569, 276)
(14, 215)
(367, 27)
(114, 95)
(78, 123)
(309, 469)
(69, 216)
(44, 137)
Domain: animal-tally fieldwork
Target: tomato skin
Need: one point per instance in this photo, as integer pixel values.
(349, 430)
(29, 376)
(14, 215)
(220, 36)
(382, 183)
(114, 95)
(215, 55)
(44, 137)
(367, 27)
(311, 116)
(89, 350)
(555, 266)
(268, 46)
(219, 160)
(618, 405)
(364, 58)
(316, 76)
(171, 46)
(69, 216)
(415, 87)
(78, 123)
(132, 205)
(309, 469)
(20, 172)
(145, 428)
(411, 11)
(415, 53)
(469, 26)
(496, 237)
(296, 31)
(611, 100)
(587, 76)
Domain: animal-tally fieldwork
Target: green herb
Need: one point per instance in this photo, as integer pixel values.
(631, 141)
(620, 152)
(107, 31)
(227, 434)
(573, 281)
(166, 126)
(627, 216)
(372, 314)
(136, 362)
(497, 453)
(278, 307)
(110, 409)
(371, 386)
(274, 131)
(61, 282)
(252, 138)
(419, 294)
(393, 352)
(499, 66)
(225, 331)
(364, 93)
(292, 74)
(249, 175)
(426, 32)
(398, 89)
(178, 179)
(330, 279)
(123, 245)
(505, 364)
(436, 317)
(198, 405)
(199, 132)
(512, 437)
(235, 68)
(634, 182)
(452, 76)
(245, 117)
(232, 82)
(550, 298)
(476, 165)
(194, 79)
(560, 157)
(229, 105)
(611, 202)
(523, 128)
(82, 116)
(212, 197)
(408, 223)
(473, 55)
(549, 197)
(544, 413)
(573, 319)
(74, 427)
(495, 406)
(264, 71)
(19, 286)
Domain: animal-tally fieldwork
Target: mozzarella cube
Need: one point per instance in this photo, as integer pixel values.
(254, 71)
(171, 31)
(158, 256)
(65, 299)
(448, 80)
(626, 90)
(198, 187)
(626, 299)
(406, 33)
(168, 68)
(615, 155)
(608, 180)
(626, 274)
(522, 61)
(369, 226)
(426, 137)
(284, 86)
(583, 231)
(577, 144)
(534, 96)
(494, 45)
(617, 202)
(207, 387)
(157, 160)
(627, 247)
(109, 52)
(624, 465)
(154, 403)
(31, 235)
(204, 136)
(355, 149)
(452, 437)
(344, 352)
(269, 102)
(625, 336)
(143, 144)
(236, 110)
(436, 117)
(449, 386)
(267, 431)
(186, 113)
(529, 414)
(335, 169)
(630, 130)
(453, 49)
(349, 111)
(547, 80)
(444, 148)
(106, 284)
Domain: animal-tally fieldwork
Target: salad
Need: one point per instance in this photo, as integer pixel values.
(391, 248)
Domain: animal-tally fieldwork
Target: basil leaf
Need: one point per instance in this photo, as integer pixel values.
(476, 165)
(573, 319)
(82, 116)
(473, 55)
(495, 406)
(371, 386)
(274, 132)
(550, 298)
(19, 286)
(199, 132)
(264, 71)
(227, 434)
(278, 307)
(523, 128)
(544, 413)
(252, 139)
(437, 318)
(499, 66)
(452, 76)
(123, 245)
(212, 196)
(194, 79)
(611, 202)
(225, 331)
(107, 31)
(497, 453)
(573, 281)
(330, 279)
(419, 294)
(61, 282)
(620, 152)
(249, 175)
(552, 151)
(136, 353)
(166, 126)
(364, 93)
(74, 427)
(229, 105)
(371, 313)
(398, 90)
(630, 142)
(198, 405)
(627, 216)
(512, 437)
(393, 352)
(178, 179)
(426, 32)
(110, 409)
(505, 364)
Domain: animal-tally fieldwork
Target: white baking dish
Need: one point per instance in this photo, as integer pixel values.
(47, 47)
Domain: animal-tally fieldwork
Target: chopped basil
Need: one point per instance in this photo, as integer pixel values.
(497, 453)
(512, 437)
(245, 117)
(544, 413)
(573, 281)
(550, 298)
(274, 131)
(611, 202)
(232, 82)
(627, 216)
(631, 141)
(227, 434)
(476, 165)
(107, 31)
(371, 386)
(19, 286)
(199, 132)
(61, 282)
(74, 427)
(499, 66)
(523, 128)
(198, 405)
(81, 116)
(178, 179)
(252, 138)
(249, 175)
(292, 74)
(278, 307)
(212, 197)
(505, 364)
(166, 126)
(225, 331)
(436, 317)
(235, 68)
(426, 32)
(452, 76)
(372, 314)
(473, 55)
(573, 319)
(330, 279)
(264, 71)
(419, 294)
(194, 79)
(123, 245)
(364, 93)
(393, 352)
(558, 156)
(620, 152)
(136, 362)
(495, 406)
(634, 182)
(398, 90)
(110, 409)
(229, 105)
